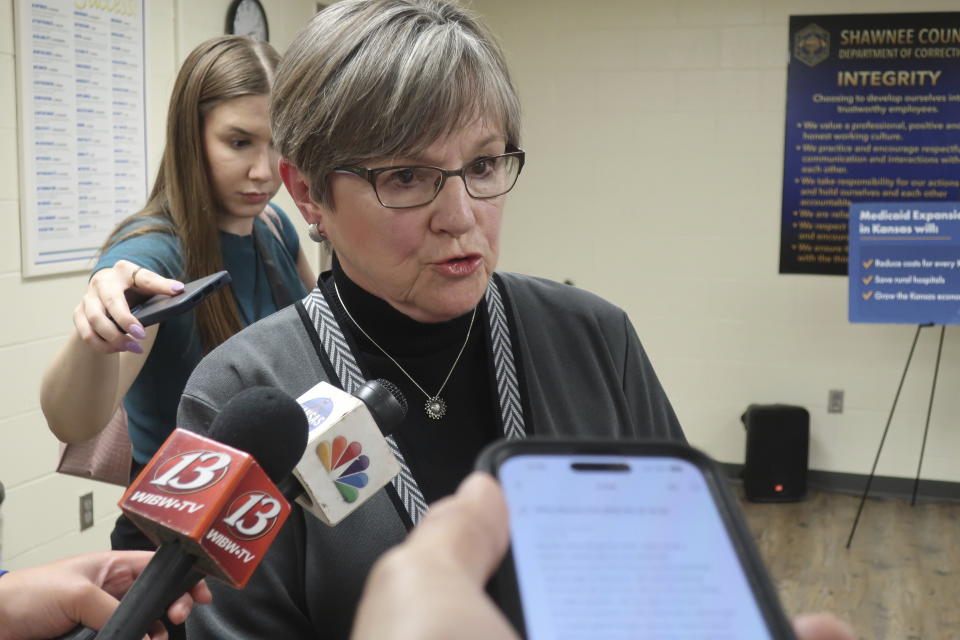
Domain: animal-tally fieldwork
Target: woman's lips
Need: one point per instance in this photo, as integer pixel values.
(254, 198)
(460, 266)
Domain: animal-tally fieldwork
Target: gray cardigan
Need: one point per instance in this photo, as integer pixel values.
(585, 374)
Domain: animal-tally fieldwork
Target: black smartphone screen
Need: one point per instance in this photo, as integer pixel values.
(160, 307)
(626, 546)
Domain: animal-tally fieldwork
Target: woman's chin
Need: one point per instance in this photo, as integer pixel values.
(447, 303)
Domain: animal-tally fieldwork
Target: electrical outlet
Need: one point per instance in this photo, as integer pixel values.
(86, 511)
(835, 401)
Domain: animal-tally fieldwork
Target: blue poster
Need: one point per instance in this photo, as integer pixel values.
(905, 262)
(873, 114)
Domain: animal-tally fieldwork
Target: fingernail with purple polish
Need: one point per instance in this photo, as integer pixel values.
(176, 287)
(134, 347)
(137, 331)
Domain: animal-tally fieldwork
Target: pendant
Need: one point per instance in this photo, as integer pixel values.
(435, 407)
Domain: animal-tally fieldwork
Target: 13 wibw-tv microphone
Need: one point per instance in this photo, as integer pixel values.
(213, 509)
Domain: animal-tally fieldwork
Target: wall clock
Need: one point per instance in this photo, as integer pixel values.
(247, 18)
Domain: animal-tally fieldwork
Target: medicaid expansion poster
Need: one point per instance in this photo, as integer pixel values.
(873, 114)
(905, 262)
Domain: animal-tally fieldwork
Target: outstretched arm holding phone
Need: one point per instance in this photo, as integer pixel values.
(86, 381)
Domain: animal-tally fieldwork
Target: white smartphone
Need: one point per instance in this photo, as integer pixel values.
(621, 539)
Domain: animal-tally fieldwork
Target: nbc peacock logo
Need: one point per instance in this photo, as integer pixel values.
(346, 466)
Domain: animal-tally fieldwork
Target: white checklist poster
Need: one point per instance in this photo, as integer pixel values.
(81, 105)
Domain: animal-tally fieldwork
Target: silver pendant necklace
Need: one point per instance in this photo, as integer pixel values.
(435, 406)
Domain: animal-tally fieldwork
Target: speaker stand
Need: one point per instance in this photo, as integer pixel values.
(883, 438)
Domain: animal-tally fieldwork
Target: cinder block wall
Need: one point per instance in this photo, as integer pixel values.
(654, 131)
(41, 512)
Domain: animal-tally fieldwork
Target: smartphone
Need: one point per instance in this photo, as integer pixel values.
(627, 539)
(161, 307)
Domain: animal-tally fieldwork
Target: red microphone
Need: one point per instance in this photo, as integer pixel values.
(212, 498)
(209, 506)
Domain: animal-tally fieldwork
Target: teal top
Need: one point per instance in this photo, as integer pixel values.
(152, 400)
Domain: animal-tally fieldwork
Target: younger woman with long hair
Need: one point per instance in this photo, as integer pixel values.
(209, 210)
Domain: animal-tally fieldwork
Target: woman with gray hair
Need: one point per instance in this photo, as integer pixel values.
(399, 134)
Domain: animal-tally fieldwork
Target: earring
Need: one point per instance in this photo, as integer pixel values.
(315, 234)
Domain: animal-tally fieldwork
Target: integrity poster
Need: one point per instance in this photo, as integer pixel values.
(873, 114)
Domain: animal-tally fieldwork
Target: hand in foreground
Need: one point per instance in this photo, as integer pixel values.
(822, 626)
(104, 299)
(432, 585)
(50, 600)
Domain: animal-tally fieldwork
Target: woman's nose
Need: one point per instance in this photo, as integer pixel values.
(264, 165)
(453, 206)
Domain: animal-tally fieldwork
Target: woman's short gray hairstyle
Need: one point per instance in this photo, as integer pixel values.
(381, 78)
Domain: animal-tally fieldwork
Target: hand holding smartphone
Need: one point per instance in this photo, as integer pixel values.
(623, 539)
(162, 307)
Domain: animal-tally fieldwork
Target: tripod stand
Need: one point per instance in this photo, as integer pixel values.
(926, 427)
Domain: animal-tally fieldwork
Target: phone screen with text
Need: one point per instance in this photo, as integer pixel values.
(624, 547)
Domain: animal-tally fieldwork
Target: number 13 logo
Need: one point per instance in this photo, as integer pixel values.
(247, 523)
(191, 472)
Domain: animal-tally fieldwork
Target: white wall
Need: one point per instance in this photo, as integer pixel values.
(41, 513)
(654, 131)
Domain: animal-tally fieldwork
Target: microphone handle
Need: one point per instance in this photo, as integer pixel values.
(159, 598)
(167, 576)
(78, 633)
(291, 489)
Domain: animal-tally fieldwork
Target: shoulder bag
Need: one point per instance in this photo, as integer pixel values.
(106, 457)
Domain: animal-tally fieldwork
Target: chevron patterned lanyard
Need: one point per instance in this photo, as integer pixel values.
(345, 365)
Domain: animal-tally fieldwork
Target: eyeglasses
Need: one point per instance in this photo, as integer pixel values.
(404, 187)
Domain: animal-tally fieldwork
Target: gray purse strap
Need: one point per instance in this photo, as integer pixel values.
(345, 366)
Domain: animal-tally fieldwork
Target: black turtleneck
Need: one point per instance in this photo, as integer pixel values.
(440, 453)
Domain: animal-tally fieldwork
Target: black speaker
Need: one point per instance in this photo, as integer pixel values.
(778, 441)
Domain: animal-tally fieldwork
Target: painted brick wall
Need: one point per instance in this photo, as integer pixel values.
(41, 512)
(654, 131)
